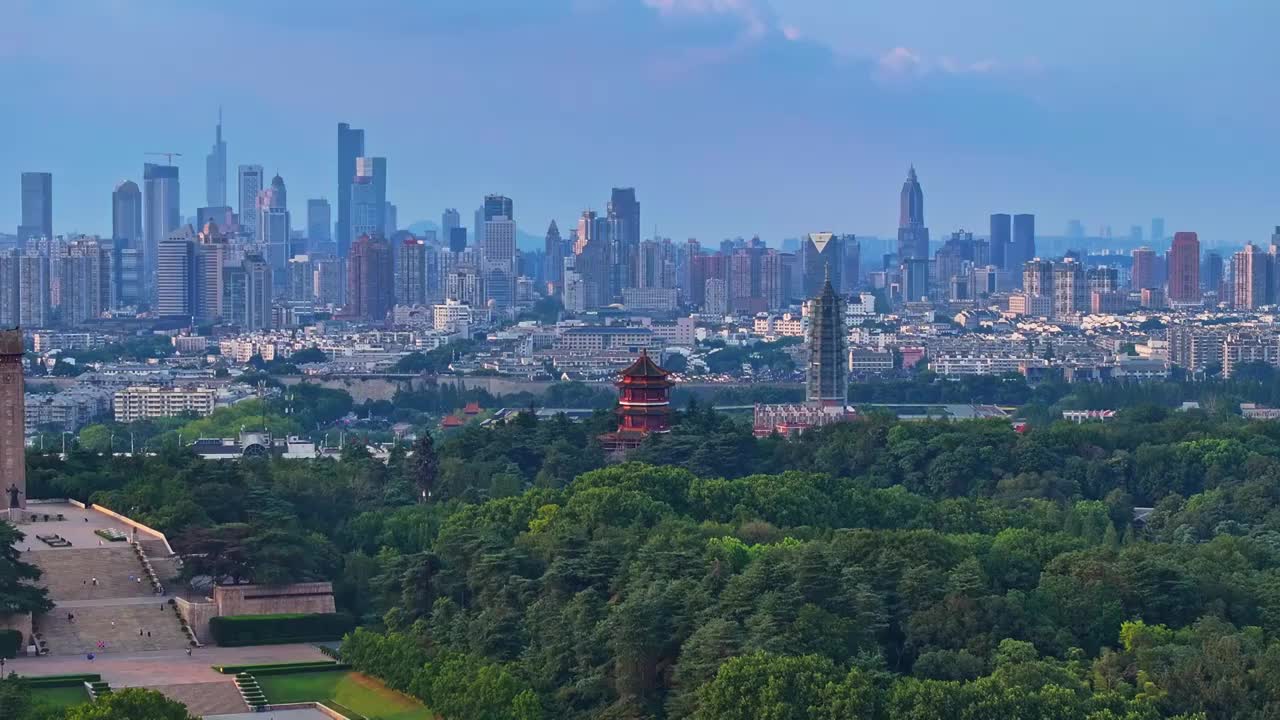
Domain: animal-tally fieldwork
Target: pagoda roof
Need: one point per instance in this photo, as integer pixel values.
(644, 367)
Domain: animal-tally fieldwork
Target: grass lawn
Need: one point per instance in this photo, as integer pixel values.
(63, 697)
(358, 692)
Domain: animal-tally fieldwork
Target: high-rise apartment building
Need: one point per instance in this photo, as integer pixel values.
(350, 147)
(370, 279)
(34, 283)
(10, 305)
(1001, 238)
(302, 279)
(1070, 293)
(913, 236)
(319, 225)
(215, 170)
(1143, 273)
(1253, 276)
(1037, 278)
(37, 207)
(410, 272)
(1184, 269)
(250, 180)
(827, 378)
(86, 281)
(161, 204)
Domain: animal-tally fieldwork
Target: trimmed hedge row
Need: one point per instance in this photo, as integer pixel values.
(332, 667)
(10, 643)
(55, 681)
(272, 667)
(239, 630)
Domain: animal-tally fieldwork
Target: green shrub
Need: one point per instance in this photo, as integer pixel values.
(238, 630)
(10, 643)
(53, 681)
(239, 670)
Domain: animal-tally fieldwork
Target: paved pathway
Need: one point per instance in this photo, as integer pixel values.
(168, 667)
(274, 715)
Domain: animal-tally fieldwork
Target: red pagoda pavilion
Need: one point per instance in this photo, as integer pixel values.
(644, 404)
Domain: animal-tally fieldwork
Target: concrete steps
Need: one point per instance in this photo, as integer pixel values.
(68, 574)
(212, 698)
(95, 624)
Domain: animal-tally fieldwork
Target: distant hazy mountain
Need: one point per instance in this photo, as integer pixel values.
(524, 240)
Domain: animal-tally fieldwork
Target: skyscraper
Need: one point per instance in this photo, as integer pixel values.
(1211, 274)
(257, 293)
(827, 379)
(175, 289)
(823, 257)
(1070, 293)
(319, 224)
(215, 170)
(10, 306)
(162, 215)
(1143, 274)
(37, 207)
(1253, 274)
(209, 254)
(1001, 238)
(350, 147)
(1184, 268)
(273, 227)
(457, 239)
(1157, 230)
(33, 290)
(553, 247)
(851, 264)
(368, 200)
(623, 213)
(411, 283)
(498, 255)
(126, 215)
(250, 181)
(1037, 278)
(370, 279)
(449, 219)
(1022, 247)
(913, 236)
(86, 279)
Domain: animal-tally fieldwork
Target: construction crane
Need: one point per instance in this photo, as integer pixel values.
(168, 156)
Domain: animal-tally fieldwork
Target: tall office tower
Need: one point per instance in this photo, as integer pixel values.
(370, 279)
(258, 292)
(1253, 274)
(273, 227)
(391, 225)
(319, 225)
(498, 205)
(175, 288)
(915, 279)
(1022, 247)
(161, 216)
(368, 199)
(1212, 274)
(499, 255)
(656, 266)
(457, 239)
(330, 280)
(209, 256)
(827, 379)
(823, 257)
(591, 261)
(410, 271)
(1184, 268)
(1157, 230)
(215, 170)
(1070, 293)
(126, 215)
(1143, 274)
(10, 274)
(623, 213)
(250, 180)
(350, 147)
(1037, 278)
(449, 219)
(37, 207)
(83, 295)
(302, 279)
(851, 264)
(1001, 238)
(913, 236)
(553, 246)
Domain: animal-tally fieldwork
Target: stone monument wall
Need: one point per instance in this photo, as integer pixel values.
(13, 463)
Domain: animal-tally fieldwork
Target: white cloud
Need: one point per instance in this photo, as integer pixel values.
(791, 32)
(904, 63)
(900, 62)
(755, 17)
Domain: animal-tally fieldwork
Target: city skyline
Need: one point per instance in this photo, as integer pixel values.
(776, 170)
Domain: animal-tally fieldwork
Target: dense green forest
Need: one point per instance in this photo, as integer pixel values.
(872, 569)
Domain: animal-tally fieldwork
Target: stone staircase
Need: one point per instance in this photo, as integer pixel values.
(69, 574)
(211, 698)
(116, 626)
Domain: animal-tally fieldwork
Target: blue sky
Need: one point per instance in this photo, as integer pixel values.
(731, 117)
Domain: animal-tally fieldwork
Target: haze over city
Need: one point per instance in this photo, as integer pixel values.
(730, 117)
